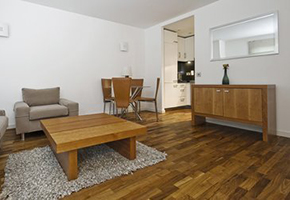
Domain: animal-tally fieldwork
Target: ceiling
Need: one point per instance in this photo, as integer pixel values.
(183, 28)
(138, 13)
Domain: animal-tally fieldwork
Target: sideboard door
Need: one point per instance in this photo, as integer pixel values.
(244, 104)
(203, 100)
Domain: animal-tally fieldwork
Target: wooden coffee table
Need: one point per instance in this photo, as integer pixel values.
(67, 135)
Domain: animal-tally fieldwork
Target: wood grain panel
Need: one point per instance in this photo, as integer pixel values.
(69, 163)
(67, 135)
(253, 104)
(125, 147)
(218, 102)
(84, 131)
(203, 100)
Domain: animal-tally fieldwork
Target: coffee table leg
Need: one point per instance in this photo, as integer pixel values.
(125, 147)
(69, 163)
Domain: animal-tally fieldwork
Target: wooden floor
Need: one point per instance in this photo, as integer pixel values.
(205, 162)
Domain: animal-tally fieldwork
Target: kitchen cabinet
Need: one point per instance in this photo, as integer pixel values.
(171, 95)
(170, 56)
(253, 104)
(176, 94)
(170, 37)
(186, 49)
(181, 49)
(189, 48)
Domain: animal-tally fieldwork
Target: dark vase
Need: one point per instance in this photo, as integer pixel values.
(226, 80)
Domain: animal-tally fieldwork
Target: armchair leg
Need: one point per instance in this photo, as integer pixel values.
(110, 107)
(23, 136)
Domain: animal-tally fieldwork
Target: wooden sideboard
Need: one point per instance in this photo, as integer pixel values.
(252, 104)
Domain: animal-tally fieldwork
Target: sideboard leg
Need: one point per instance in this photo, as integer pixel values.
(197, 120)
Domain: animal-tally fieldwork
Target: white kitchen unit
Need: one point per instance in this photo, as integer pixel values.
(181, 49)
(186, 49)
(176, 94)
(189, 48)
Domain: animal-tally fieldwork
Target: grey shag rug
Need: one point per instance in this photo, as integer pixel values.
(36, 174)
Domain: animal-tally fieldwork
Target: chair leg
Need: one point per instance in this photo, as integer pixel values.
(139, 102)
(156, 111)
(110, 107)
(23, 136)
(104, 107)
(136, 110)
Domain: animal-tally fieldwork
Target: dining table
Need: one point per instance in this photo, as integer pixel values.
(137, 91)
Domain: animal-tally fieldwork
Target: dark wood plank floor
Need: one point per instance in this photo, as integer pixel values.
(205, 162)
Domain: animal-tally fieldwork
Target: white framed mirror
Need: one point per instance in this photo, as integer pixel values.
(256, 36)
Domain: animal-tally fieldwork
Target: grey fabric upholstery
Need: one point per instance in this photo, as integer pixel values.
(3, 123)
(34, 97)
(47, 111)
(28, 117)
(2, 113)
(72, 106)
(21, 109)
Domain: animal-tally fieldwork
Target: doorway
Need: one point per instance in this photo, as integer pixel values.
(179, 63)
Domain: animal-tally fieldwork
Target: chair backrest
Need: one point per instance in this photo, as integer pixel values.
(157, 87)
(136, 82)
(107, 88)
(122, 91)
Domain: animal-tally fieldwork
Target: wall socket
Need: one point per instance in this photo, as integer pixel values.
(4, 30)
(198, 74)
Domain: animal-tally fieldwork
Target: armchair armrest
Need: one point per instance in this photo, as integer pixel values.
(2, 113)
(21, 109)
(73, 107)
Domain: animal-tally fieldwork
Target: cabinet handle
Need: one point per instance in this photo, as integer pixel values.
(184, 55)
(175, 86)
(218, 90)
(182, 90)
(179, 54)
(227, 91)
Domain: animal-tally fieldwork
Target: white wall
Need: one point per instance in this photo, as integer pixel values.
(49, 47)
(257, 70)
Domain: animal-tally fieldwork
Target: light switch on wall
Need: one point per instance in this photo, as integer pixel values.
(4, 30)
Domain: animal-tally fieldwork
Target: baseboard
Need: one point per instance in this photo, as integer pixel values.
(11, 126)
(245, 126)
(283, 134)
(178, 108)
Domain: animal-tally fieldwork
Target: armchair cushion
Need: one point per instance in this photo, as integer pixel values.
(47, 111)
(38, 97)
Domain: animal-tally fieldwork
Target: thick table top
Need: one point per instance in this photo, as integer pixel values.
(71, 133)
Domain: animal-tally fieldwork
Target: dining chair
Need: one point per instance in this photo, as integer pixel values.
(122, 94)
(136, 82)
(107, 93)
(153, 100)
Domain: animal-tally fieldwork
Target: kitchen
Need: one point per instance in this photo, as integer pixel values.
(179, 63)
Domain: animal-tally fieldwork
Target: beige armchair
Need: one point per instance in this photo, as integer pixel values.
(41, 104)
(3, 123)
